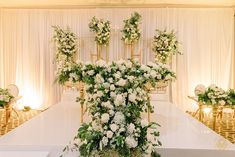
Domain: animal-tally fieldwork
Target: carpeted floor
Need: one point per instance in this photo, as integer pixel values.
(14, 120)
(225, 126)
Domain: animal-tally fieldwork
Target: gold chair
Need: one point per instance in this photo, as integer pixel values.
(14, 91)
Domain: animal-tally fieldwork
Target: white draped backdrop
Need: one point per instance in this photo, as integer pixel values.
(27, 50)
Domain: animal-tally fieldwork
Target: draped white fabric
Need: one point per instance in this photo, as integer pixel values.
(27, 50)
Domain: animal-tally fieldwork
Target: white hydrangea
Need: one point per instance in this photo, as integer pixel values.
(119, 118)
(121, 82)
(101, 63)
(119, 100)
(114, 127)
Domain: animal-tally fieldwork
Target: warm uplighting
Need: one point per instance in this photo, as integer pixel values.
(207, 110)
(29, 98)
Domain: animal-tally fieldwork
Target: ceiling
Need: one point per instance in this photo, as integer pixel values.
(101, 3)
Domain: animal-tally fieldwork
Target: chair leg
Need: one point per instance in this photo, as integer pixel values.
(196, 113)
(16, 112)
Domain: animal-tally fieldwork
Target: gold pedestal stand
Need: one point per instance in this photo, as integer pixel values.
(82, 94)
(133, 54)
(97, 55)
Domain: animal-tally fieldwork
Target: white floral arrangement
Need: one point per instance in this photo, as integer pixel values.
(102, 30)
(164, 45)
(212, 95)
(131, 31)
(115, 97)
(5, 97)
(66, 47)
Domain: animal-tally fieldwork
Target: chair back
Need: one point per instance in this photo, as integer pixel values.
(13, 90)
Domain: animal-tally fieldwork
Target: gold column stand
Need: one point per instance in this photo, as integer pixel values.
(81, 88)
(97, 55)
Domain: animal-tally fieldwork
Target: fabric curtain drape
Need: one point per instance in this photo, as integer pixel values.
(27, 51)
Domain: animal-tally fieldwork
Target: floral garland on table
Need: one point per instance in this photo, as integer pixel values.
(66, 48)
(212, 95)
(131, 31)
(165, 44)
(102, 30)
(116, 96)
(5, 97)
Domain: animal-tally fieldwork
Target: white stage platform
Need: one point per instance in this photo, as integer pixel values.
(181, 135)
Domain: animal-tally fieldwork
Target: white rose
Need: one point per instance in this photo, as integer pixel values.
(105, 117)
(110, 80)
(119, 100)
(114, 127)
(112, 87)
(131, 128)
(91, 72)
(132, 97)
(109, 134)
(113, 95)
(144, 123)
(106, 85)
(153, 73)
(99, 79)
(99, 94)
(105, 141)
(111, 112)
(222, 102)
(199, 89)
(101, 63)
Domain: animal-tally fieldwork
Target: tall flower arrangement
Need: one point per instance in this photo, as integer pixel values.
(102, 30)
(66, 47)
(164, 45)
(116, 96)
(5, 97)
(131, 32)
